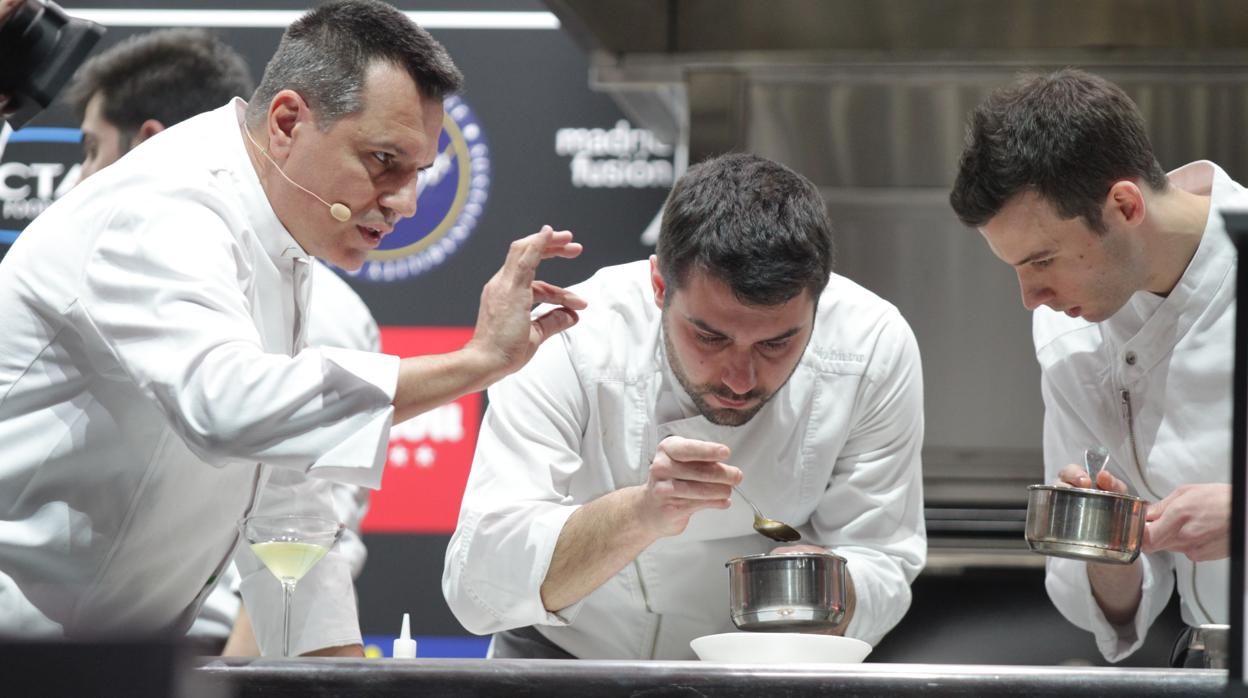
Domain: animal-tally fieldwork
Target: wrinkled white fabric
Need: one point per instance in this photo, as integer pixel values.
(836, 452)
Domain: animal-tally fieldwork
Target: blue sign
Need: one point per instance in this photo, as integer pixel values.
(34, 174)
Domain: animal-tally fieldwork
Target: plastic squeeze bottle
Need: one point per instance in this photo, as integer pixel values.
(405, 646)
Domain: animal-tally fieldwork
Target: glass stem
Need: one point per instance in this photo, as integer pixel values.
(288, 590)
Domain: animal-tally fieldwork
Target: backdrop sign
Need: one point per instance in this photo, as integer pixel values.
(39, 165)
(614, 158)
(430, 454)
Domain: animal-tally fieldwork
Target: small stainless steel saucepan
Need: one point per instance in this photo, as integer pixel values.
(787, 592)
(1084, 524)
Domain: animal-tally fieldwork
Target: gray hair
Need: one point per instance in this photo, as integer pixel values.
(325, 55)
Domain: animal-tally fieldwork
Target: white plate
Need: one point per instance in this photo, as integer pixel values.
(779, 648)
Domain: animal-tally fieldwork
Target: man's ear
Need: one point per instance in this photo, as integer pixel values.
(147, 129)
(1124, 204)
(285, 111)
(656, 281)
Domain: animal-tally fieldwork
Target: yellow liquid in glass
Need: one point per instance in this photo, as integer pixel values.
(289, 561)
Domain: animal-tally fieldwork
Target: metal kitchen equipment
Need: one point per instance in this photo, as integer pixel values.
(786, 592)
(1207, 647)
(1084, 524)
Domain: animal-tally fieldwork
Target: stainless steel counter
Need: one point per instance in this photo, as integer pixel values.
(555, 678)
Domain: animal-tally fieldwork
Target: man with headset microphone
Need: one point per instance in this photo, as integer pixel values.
(155, 380)
(129, 93)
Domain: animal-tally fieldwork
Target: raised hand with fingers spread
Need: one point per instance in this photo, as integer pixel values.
(504, 333)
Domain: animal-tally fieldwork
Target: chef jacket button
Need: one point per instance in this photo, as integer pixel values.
(1130, 358)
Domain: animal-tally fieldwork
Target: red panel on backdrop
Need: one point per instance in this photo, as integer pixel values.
(430, 454)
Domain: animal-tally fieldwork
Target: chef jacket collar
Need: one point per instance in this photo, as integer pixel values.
(1168, 321)
(277, 241)
(1209, 266)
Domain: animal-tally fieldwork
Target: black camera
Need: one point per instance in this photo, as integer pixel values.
(40, 48)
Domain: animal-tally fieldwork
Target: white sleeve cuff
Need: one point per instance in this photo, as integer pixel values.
(1068, 586)
(382, 370)
(360, 458)
(490, 592)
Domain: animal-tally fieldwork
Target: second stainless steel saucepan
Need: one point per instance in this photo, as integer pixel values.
(1084, 524)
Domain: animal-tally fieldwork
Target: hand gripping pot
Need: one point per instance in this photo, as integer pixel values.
(787, 592)
(1085, 524)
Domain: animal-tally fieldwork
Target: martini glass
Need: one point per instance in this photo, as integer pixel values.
(289, 546)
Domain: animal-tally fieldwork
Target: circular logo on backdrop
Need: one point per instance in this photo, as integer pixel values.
(449, 201)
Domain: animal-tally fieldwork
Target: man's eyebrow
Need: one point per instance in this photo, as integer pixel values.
(784, 335)
(702, 325)
(1033, 257)
(390, 145)
(705, 327)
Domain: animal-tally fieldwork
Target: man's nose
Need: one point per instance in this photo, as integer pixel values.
(403, 199)
(1034, 294)
(739, 374)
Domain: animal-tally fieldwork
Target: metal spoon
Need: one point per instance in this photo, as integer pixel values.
(775, 530)
(1095, 458)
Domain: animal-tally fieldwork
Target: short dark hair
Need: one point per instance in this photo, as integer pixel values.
(1067, 136)
(325, 54)
(169, 75)
(750, 222)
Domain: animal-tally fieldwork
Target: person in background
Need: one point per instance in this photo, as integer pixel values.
(156, 384)
(128, 94)
(147, 83)
(1129, 275)
(593, 525)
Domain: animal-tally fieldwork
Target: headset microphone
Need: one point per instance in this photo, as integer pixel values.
(339, 211)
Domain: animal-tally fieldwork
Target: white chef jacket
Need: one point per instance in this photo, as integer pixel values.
(835, 452)
(337, 318)
(1152, 384)
(152, 370)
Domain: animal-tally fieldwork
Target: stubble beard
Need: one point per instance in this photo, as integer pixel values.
(715, 415)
